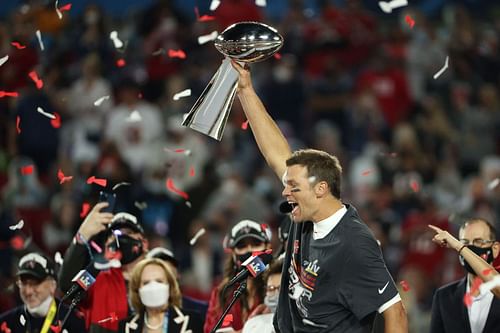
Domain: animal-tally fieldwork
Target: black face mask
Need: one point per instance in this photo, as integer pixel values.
(241, 258)
(485, 253)
(129, 249)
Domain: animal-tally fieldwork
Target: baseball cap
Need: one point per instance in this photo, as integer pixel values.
(125, 220)
(36, 265)
(163, 254)
(245, 229)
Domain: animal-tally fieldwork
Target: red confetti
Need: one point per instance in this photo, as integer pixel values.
(56, 123)
(95, 246)
(56, 328)
(405, 285)
(85, 209)
(113, 316)
(473, 289)
(191, 171)
(120, 62)
(171, 187)
(228, 320)
(18, 125)
(27, 170)
(468, 299)
(179, 150)
(99, 181)
(244, 125)
(17, 243)
(62, 178)
(414, 186)
(8, 94)
(177, 54)
(38, 82)
(277, 56)
(410, 21)
(65, 8)
(366, 172)
(18, 45)
(203, 18)
(4, 328)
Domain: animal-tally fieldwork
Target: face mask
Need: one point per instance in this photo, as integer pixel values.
(241, 258)
(485, 253)
(154, 294)
(42, 309)
(271, 302)
(128, 250)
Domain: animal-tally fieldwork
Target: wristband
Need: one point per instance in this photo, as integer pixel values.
(461, 249)
(80, 239)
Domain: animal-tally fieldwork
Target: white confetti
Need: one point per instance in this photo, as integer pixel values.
(59, 14)
(19, 225)
(188, 203)
(200, 233)
(116, 41)
(494, 183)
(261, 3)
(22, 320)
(388, 6)
(312, 179)
(120, 184)
(184, 93)
(64, 331)
(58, 258)
(207, 38)
(3, 60)
(46, 114)
(40, 41)
(158, 52)
(214, 4)
(441, 71)
(134, 117)
(141, 205)
(101, 100)
(487, 286)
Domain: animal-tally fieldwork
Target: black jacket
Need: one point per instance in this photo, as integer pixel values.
(450, 315)
(135, 323)
(15, 318)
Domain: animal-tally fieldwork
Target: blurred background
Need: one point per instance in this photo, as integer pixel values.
(350, 79)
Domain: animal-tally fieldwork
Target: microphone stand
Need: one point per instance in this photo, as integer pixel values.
(237, 293)
(71, 307)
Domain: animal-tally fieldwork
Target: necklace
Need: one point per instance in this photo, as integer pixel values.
(148, 325)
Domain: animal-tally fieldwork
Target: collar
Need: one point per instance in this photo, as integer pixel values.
(323, 227)
(482, 294)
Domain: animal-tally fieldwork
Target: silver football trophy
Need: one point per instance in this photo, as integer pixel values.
(245, 42)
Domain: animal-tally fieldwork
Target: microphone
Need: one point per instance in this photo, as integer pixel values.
(254, 266)
(81, 283)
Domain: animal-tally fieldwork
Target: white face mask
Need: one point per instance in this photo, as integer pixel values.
(271, 302)
(42, 309)
(154, 294)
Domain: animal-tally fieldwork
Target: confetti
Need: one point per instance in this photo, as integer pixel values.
(312, 179)
(19, 225)
(468, 299)
(214, 4)
(203, 18)
(158, 52)
(40, 41)
(22, 320)
(409, 21)
(487, 286)
(4, 328)
(441, 71)
(200, 233)
(140, 205)
(101, 100)
(120, 184)
(3, 60)
(27, 170)
(366, 172)
(95, 246)
(494, 183)
(415, 186)
(18, 125)
(244, 125)
(177, 54)
(8, 94)
(228, 320)
(99, 181)
(65, 8)
(184, 93)
(120, 62)
(112, 318)
(191, 171)
(38, 82)
(387, 6)
(261, 3)
(62, 178)
(17, 243)
(58, 259)
(85, 209)
(207, 38)
(113, 35)
(134, 117)
(277, 56)
(171, 187)
(46, 114)
(18, 45)
(56, 328)
(405, 285)
(188, 203)
(56, 122)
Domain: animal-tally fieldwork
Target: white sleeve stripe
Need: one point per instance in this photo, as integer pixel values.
(389, 303)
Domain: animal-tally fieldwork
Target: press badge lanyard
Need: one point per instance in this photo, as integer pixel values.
(48, 319)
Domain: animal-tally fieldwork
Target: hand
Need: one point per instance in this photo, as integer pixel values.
(96, 221)
(445, 239)
(245, 80)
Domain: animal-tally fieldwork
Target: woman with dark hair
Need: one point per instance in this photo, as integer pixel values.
(244, 238)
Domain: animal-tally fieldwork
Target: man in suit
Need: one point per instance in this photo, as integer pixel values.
(477, 249)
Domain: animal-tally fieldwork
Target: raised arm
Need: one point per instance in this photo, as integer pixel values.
(271, 142)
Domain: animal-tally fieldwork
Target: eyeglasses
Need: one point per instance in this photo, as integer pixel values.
(479, 242)
(271, 289)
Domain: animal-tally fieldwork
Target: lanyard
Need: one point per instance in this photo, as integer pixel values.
(165, 323)
(50, 317)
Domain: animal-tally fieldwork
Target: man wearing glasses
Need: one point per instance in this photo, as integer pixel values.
(461, 306)
(37, 285)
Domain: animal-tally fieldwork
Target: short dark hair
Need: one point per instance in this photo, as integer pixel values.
(320, 165)
(493, 231)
